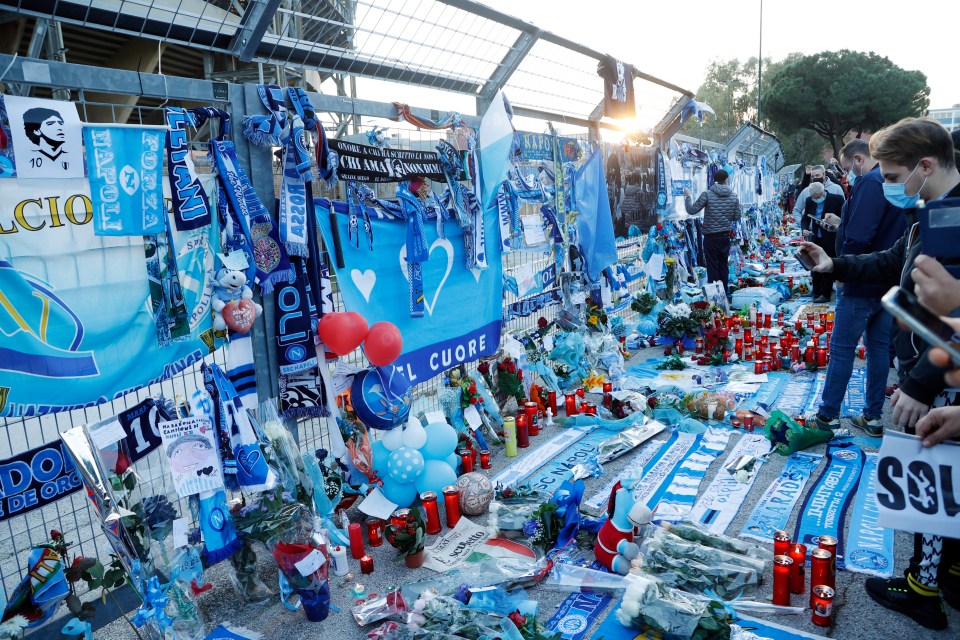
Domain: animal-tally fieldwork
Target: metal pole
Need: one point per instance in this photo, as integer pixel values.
(760, 69)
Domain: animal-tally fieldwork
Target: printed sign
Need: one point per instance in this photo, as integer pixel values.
(918, 488)
(680, 185)
(539, 146)
(455, 546)
(374, 164)
(35, 478)
(47, 137)
(191, 449)
(137, 430)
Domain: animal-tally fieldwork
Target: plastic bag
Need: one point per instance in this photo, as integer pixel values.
(788, 436)
(694, 533)
(648, 602)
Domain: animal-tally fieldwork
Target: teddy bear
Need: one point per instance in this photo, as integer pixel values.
(615, 547)
(233, 304)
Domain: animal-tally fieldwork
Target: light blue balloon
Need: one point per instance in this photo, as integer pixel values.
(380, 457)
(401, 494)
(405, 464)
(436, 475)
(454, 461)
(441, 441)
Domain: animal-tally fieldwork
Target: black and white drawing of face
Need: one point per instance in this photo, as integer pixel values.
(44, 126)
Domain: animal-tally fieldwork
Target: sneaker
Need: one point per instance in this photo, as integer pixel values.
(826, 424)
(950, 587)
(873, 426)
(897, 594)
(821, 299)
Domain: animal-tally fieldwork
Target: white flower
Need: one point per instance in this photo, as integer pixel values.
(679, 310)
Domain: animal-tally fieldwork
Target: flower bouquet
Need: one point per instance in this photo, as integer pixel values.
(651, 604)
(789, 436)
(512, 508)
(303, 565)
(407, 538)
(677, 323)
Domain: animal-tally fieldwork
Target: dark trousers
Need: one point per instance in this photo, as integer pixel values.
(823, 282)
(716, 252)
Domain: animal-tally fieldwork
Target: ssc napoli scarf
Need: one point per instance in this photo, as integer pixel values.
(269, 129)
(293, 191)
(191, 207)
(825, 507)
(773, 509)
(294, 317)
(721, 500)
(678, 496)
(871, 546)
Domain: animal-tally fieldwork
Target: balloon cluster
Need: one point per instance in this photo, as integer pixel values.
(416, 459)
(342, 332)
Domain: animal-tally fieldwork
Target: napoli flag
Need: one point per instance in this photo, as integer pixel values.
(495, 139)
(124, 164)
(594, 222)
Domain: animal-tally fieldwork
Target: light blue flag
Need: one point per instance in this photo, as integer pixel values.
(126, 186)
(495, 138)
(594, 222)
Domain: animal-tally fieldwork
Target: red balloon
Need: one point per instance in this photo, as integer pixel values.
(342, 332)
(383, 344)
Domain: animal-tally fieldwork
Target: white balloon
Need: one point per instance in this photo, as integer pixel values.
(393, 439)
(414, 436)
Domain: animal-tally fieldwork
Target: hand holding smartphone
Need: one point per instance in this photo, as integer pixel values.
(805, 259)
(905, 307)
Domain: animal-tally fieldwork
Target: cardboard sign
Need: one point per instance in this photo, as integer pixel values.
(35, 478)
(918, 488)
(191, 449)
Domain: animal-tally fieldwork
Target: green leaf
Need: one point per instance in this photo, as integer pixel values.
(130, 482)
(74, 604)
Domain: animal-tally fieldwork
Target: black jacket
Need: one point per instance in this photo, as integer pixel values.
(919, 379)
(833, 204)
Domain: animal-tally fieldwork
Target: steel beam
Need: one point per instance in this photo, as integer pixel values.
(509, 64)
(256, 19)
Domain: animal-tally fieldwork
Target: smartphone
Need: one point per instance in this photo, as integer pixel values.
(905, 307)
(805, 259)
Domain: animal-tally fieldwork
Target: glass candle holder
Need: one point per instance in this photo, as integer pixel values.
(430, 507)
(798, 553)
(485, 459)
(466, 461)
(738, 346)
(375, 532)
(748, 422)
(399, 517)
(510, 437)
(366, 565)
(821, 356)
(570, 404)
(532, 412)
(758, 367)
(356, 540)
(823, 318)
(748, 353)
(782, 567)
(451, 504)
(829, 543)
(699, 349)
(822, 605)
(711, 410)
(523, 431)
(552, 402)
(820, 574)
(591, 409)
(781, 543)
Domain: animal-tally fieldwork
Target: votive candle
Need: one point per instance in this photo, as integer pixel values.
(399, 517)
(822, 605)
(366, 565)
(375, 532)
(820, 573)
(570, 402)
(466, 461)
(798, 578)
(829, 543)
(451, 504)
(782, 566)
(510, 437)
(429, 501)
(485, 459)
(356, 540)
(523, 431)
(781, 542)
(552, 402)
(699, 349)
(531, 410)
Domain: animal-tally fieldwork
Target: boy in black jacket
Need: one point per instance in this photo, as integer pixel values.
(917, 162)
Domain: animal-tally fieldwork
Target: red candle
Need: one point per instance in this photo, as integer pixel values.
(366, 564)
(829, 326)
(738, 347)
(451, 504)
(530, 409)
(780, 318)
(781, 543)
(584, 408)
(523, 431)
(822, 605)
(570, 400)
(748, 336)
(829, 543)
(781, 266)
(795, 353)
(782, 566)
(823, 318)
(748, 353)
(399, 517)
(552, 402)
(820, 573)
(699, 347)
(591, 409)
(797, 579)
(485, 459)
(375, 532)
(799, 325)
(767, 364)
(757, 367)
(466, 462)
(748, 422)
(822, 357)
(581, 392)
(356, 540)
(810, 320)
(429, 501)
(790, 282)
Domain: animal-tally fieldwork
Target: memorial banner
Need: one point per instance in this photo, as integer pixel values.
(35, 478)
(375, 164)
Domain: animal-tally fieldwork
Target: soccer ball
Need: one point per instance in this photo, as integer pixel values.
(476, 493)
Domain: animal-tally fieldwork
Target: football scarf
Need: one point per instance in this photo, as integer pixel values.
(189, 202)
(772, 511)
(269, 129)
(293, 206)
(721, 500)
(678, 496)
(825, 507)
(871, 546)
(295, 317)
(520, 470)
(240, 369)
(451, 120)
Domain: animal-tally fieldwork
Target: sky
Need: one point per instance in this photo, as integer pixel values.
(675, 41)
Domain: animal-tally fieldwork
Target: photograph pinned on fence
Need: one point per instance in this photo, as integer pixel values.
(47, 137)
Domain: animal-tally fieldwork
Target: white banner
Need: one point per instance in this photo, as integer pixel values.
(455, 546)
(918, 488)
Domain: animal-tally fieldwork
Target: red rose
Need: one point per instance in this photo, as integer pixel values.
(474, 400)
(511, 368)
(517, 619)
(542, 322)
(123, 463)
(55, 534)
(473, 388)
(483, 368)
(652, 402)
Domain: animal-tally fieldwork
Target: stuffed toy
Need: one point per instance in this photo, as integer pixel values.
(233, 306)
(615, 547)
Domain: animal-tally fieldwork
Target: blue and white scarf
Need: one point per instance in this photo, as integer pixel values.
(267, 130)
(191, 207)
(293, 208)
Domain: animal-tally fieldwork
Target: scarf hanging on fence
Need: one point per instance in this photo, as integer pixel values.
(294, 320)
(303, 394)
(451, 120)
(508, 209)
(189, 202)
(304, 108)
(166, 299)
(240, 369)
(355, 203)
(293, 206)
(416, 250)
(267, 130)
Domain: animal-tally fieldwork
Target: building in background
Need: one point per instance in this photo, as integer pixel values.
(950, 118)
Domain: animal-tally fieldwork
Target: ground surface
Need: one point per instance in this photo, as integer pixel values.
(857, 616)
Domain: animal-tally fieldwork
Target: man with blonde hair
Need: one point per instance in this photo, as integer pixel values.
(916, 159)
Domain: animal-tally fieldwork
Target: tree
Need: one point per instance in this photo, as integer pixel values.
(835, 93)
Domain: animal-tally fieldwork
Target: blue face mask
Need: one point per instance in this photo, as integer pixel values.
(896, 192)
(820, 200)
(851, 177)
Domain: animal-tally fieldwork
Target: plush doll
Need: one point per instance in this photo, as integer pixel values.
(232, 302)
(615, 547)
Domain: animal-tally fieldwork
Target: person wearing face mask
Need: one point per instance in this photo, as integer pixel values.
(917, 161)
(817, 174)
(821, 204)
